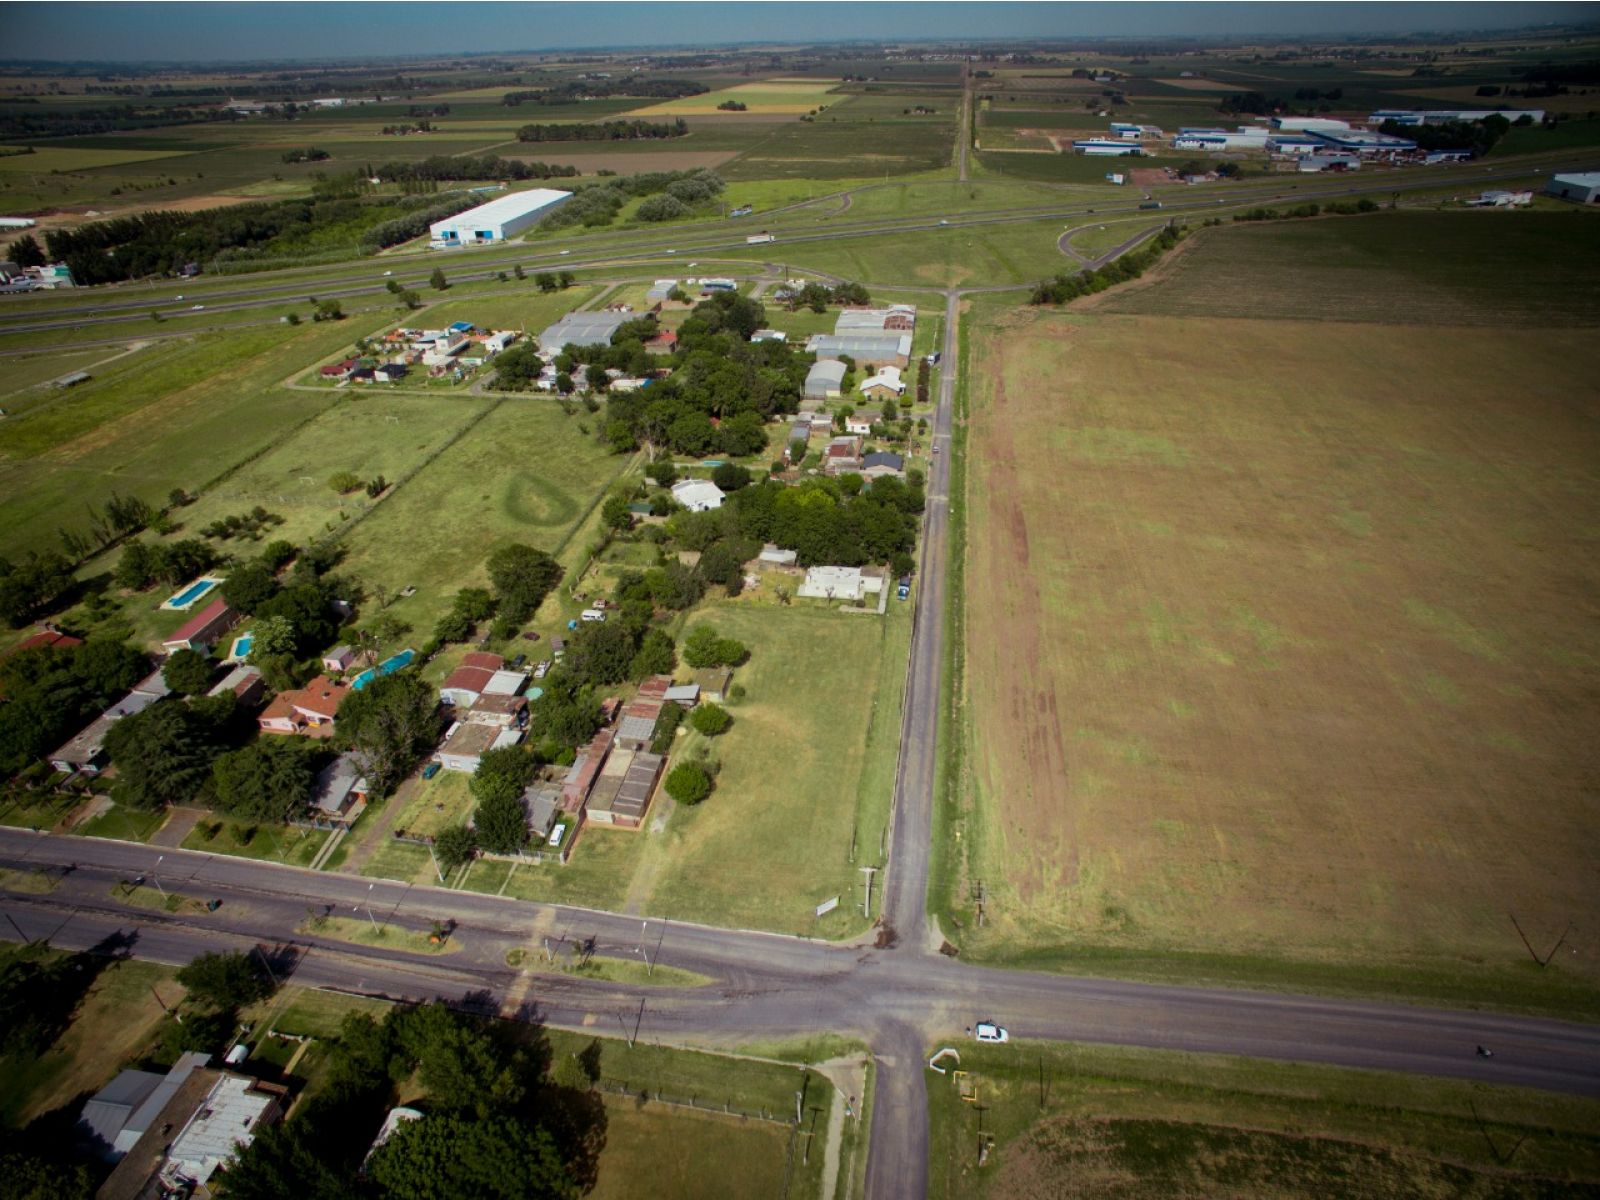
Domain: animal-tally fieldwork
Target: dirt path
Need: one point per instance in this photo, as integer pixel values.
(378, 833)
(654, 858)
(849, 1079)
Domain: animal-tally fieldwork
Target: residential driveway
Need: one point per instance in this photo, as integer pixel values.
(377, 832)
(178, 826)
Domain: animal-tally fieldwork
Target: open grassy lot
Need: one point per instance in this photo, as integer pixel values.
(47, 159)
(274, 843)
(1130, 1124)
(436, 804)
(785, 831)
(1279, 666)
(671, 1147)
(528, 310)
(179, 415)
(1462, 268)
(523, 472)
(114, 1021)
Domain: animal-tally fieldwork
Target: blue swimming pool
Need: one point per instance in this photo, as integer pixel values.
(191, 593)
(241, 646)
(387, 667)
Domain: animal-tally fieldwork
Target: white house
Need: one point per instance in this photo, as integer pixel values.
(697, 495)
(839, 583)
(885, 383)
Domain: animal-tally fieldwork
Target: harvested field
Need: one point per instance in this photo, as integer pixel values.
(1284, 662)
(1464, 268)
(626, 162)
(789, 96)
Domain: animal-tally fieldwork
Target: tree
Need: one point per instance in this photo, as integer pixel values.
(599, 653)
(520, 273)
(566, 279)
(187, 672)
(225, 982)
(688, 783)
(545, 281)
(502, 822)
(25, 252)
(517, 369)
(451, 1154)
(411, 299)
(437, 281)
(710, 719)
(455, 847)
(136, 569)
(502, 773)
(163, 755)
(566, 715)
(271, 637)
(522, 578)
(389, 725)
(656, 655)
(29, 587)
(328, 310)
(614, 512)
(730, 477)
(250, 586)
(704, 648)
(344, 482)
(270, 780)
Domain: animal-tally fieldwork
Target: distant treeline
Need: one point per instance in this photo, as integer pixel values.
(159, 243)
(595, 89)
(1477, 136)
(444, 167)
(605, 131)
(86, 121)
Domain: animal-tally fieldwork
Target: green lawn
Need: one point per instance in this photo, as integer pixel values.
(1126, 1123)
(786, 830)
(275, 843)
(124, 824)
(527, 309)
(436, 804)
(596, 876)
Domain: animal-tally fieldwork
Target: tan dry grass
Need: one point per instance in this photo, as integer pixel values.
(1272, 658)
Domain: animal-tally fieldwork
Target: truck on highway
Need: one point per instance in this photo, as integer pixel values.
(756, 239)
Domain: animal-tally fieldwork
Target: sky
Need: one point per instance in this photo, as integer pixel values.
(165, 32)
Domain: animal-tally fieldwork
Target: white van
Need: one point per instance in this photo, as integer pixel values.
(556, 836)
(593, 614)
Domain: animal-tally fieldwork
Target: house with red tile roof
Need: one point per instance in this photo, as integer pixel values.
(307, 711)
(201, 631)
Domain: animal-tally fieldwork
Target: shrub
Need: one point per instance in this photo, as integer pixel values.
(688, 783)
(710, 719)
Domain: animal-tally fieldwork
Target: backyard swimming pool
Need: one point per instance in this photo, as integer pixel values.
(241, 646)
(386, 667)
(191, 594)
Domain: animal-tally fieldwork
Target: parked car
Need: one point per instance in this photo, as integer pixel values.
(988, 1031)
(516, 663)
(429, 771)
(543, 669)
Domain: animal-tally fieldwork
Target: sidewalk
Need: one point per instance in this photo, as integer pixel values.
(178, 826)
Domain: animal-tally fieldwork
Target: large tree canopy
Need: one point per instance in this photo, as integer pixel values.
(271, 780)
(522, 578)
(447, 1155)
(389, 725)
(163, 755)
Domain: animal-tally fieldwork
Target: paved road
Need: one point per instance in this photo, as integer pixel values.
(899, 1000)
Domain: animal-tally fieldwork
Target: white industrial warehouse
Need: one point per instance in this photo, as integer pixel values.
(502, 218)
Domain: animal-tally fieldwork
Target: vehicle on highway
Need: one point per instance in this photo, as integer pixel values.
(213, 905)
(988, 1031)
(936, 449)
(196, 307)
(569, 252)
(386, 274)
(944, 222)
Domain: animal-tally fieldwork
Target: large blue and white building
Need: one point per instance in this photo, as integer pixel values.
(1445, 116)
(1104, 146)
(497, 221)
(1364, 143)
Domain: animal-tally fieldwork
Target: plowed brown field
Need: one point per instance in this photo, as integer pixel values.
(1283, 639)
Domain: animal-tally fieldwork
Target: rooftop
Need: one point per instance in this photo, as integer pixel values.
(508, 207)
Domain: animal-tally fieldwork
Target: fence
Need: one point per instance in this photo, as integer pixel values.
(655, 1096)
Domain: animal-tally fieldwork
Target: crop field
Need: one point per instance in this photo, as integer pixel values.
(524, 471)
(1131, 1124)
(1465, 268)
(1283, 662)
(786, 96)
(784, 832)
(46, 159)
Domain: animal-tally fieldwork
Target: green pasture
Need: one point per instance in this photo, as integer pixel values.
(46, 159)
(25, 380)
(1482, 268)
(1127, 1123)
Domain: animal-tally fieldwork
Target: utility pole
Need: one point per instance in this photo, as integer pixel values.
(866, 907)
(370, 917)
(271, 974)
(435, 858)
(21, 936)
(156, 877)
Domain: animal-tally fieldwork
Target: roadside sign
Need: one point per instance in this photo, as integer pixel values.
(827, 906)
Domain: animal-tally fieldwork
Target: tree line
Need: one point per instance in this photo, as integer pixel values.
(1065, 287)
(487, 166)
(594, 89)
(604, 131)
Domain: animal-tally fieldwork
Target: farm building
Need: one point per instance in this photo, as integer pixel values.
(1583, 188)
(684, 695)
(868, 349)
(897, 318)
(582, 329)
(1301, 124)
(1105, 147)
(715, 681)
(201, 631)
(309, 711)
(884, 385)
(664, 342)
(1295, 144)
(697, 495)
(71, 380)
(1366, 144)
(1446, 116)
(840, 583)
(501, 218)
(825, 379)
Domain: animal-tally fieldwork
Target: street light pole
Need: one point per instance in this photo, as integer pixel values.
(370, 917)
(156, 877)
(435, 858)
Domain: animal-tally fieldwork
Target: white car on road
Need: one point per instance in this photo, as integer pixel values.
(988, 1031)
